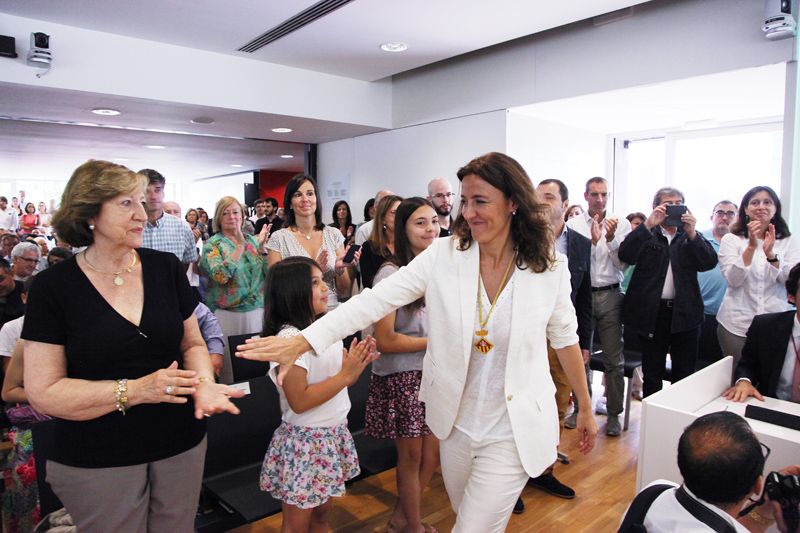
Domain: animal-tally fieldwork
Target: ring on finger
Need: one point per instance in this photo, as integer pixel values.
(169, 390)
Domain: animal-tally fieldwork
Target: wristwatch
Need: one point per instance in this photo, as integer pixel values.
(773, 260)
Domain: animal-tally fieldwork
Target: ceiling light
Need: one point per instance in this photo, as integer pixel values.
(236, 166)
(106, 111)
(154, 146)
(287, 156)
(282, 130)
(202, 120)
(394, 47)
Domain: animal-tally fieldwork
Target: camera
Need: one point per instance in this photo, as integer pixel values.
(785, 489)
(39, 54)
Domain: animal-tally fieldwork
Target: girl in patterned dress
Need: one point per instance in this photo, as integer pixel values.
(393, 407)
(311, 454)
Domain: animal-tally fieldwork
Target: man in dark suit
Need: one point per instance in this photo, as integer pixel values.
(578, 250)
(769, 365)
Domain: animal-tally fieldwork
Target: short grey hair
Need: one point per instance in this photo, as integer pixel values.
(23, 247)
(666, 191)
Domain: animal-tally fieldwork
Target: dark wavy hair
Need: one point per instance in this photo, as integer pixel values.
(530, 226)
(288, 296)
(291, 188)
(403, 254)
(739, 226)
(348, 220)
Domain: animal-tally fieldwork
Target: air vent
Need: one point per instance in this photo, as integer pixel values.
(307, 16)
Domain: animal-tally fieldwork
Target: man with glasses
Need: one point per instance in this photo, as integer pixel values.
(663, 305)
(721, 462)
(25, 257)
(440, 194)
(713, 284)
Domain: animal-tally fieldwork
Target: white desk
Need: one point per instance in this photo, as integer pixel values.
(666, 413)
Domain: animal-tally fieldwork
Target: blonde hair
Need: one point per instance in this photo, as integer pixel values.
(222, 205)
(91, 185)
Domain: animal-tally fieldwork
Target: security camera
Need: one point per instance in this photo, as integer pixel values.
(39, 55)
(779, 22)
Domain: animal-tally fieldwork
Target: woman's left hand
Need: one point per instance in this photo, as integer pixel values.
(587, 430)
(340, 260)
(212, 398)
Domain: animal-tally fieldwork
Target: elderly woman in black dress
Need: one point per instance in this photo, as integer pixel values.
(113, 352)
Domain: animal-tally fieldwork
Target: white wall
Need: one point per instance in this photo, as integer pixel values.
(664, 40)
(547, 150)
(405, 160)
(205, 193)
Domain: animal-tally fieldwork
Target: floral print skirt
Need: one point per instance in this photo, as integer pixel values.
(393, 406)
(20, 500)
(306, 466)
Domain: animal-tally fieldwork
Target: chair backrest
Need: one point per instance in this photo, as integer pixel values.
(245, 369)
(239, 440)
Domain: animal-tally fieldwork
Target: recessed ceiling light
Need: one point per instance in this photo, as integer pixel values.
(287, 156)
(236, 166)
(106, 111)
(202, 120)
(394, 47)
(282, 130)
(154, 146)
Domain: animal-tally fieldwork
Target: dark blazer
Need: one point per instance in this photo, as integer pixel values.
(652, 255)
(579, 257)
(765, 350)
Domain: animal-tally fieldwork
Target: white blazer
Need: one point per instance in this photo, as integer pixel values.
(541, 310)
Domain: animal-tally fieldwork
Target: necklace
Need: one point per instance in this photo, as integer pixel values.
(483, 345)
(117, 278)
(303, 233)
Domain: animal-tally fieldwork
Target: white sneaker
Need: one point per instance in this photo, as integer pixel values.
(600, 406)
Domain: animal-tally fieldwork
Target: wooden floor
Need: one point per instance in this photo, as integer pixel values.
(604, 482)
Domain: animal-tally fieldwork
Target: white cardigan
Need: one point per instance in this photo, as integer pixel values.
(448, 278)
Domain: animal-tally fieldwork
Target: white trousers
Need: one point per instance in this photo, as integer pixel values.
(483, 481)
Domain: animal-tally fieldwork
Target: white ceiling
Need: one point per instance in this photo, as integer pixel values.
(702, 102)
(345, 42)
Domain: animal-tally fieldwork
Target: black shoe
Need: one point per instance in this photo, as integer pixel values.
(549, 483)
(519, 507)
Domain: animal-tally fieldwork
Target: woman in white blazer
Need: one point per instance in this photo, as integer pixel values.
(495, 292)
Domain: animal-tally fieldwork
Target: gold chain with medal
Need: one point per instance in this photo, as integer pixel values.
(483, 345)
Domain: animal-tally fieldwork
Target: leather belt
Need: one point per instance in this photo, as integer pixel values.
(605, 288)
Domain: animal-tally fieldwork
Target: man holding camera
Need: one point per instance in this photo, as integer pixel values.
(663, 304)
(722, 463)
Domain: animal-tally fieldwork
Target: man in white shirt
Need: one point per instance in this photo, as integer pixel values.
(606, 233)
(363, 232)
(721, 462)
(8, 216)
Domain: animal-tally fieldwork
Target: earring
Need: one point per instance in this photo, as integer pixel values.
(91, 227)
(514, 212)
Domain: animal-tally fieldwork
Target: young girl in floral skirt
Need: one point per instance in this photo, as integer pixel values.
(311, 454)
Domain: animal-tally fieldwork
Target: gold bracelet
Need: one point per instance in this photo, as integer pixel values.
(120, 398)
(203, 379)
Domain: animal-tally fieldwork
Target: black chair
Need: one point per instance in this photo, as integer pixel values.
(245, 369)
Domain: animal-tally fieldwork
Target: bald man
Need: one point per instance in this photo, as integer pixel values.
(440, 194)
(172, 208)
(366, 228)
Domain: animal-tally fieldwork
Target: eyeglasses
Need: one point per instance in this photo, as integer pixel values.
(721, 213)
(767, 451)
(27, 259)
(443, 195)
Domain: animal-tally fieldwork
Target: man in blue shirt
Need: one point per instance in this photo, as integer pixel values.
(713, 285)
(163, 232)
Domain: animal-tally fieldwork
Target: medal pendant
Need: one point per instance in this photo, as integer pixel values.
(483, 345)
(118, 280)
